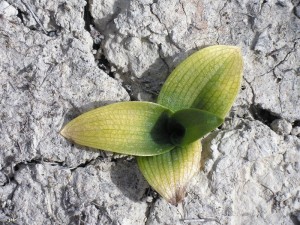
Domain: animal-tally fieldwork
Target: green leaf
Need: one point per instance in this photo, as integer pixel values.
(209, 80)
(170, 173)
(133, 128)
(188, 125)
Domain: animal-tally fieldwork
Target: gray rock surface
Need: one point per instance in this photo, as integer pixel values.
(60, 58)
(60, 195)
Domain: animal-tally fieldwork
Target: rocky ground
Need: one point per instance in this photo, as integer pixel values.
(61, 58)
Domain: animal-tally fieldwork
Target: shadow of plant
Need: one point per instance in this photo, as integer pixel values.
(127, 177)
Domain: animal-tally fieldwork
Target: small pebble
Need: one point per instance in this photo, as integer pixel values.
(281, 126)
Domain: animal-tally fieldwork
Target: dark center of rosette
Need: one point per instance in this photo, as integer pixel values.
(167, 130)
(175, 131)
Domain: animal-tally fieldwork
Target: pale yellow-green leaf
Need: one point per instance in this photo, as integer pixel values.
(170, 173)
(208, 80)
(132, 128)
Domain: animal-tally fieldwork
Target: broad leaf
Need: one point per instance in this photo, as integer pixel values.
(170, 173)
(133, 128)
(188, 125)
(209, 80)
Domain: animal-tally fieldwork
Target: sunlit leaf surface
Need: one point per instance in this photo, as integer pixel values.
(209, 80)
(132, 128)
(170, 173)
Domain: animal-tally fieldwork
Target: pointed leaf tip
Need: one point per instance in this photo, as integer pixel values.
(170, 173)
(208, 80)
(132, 128)
(187, 125)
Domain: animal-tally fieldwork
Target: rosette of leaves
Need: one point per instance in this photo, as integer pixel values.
(165, 135)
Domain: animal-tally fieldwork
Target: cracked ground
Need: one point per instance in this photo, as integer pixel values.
(62, 58)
